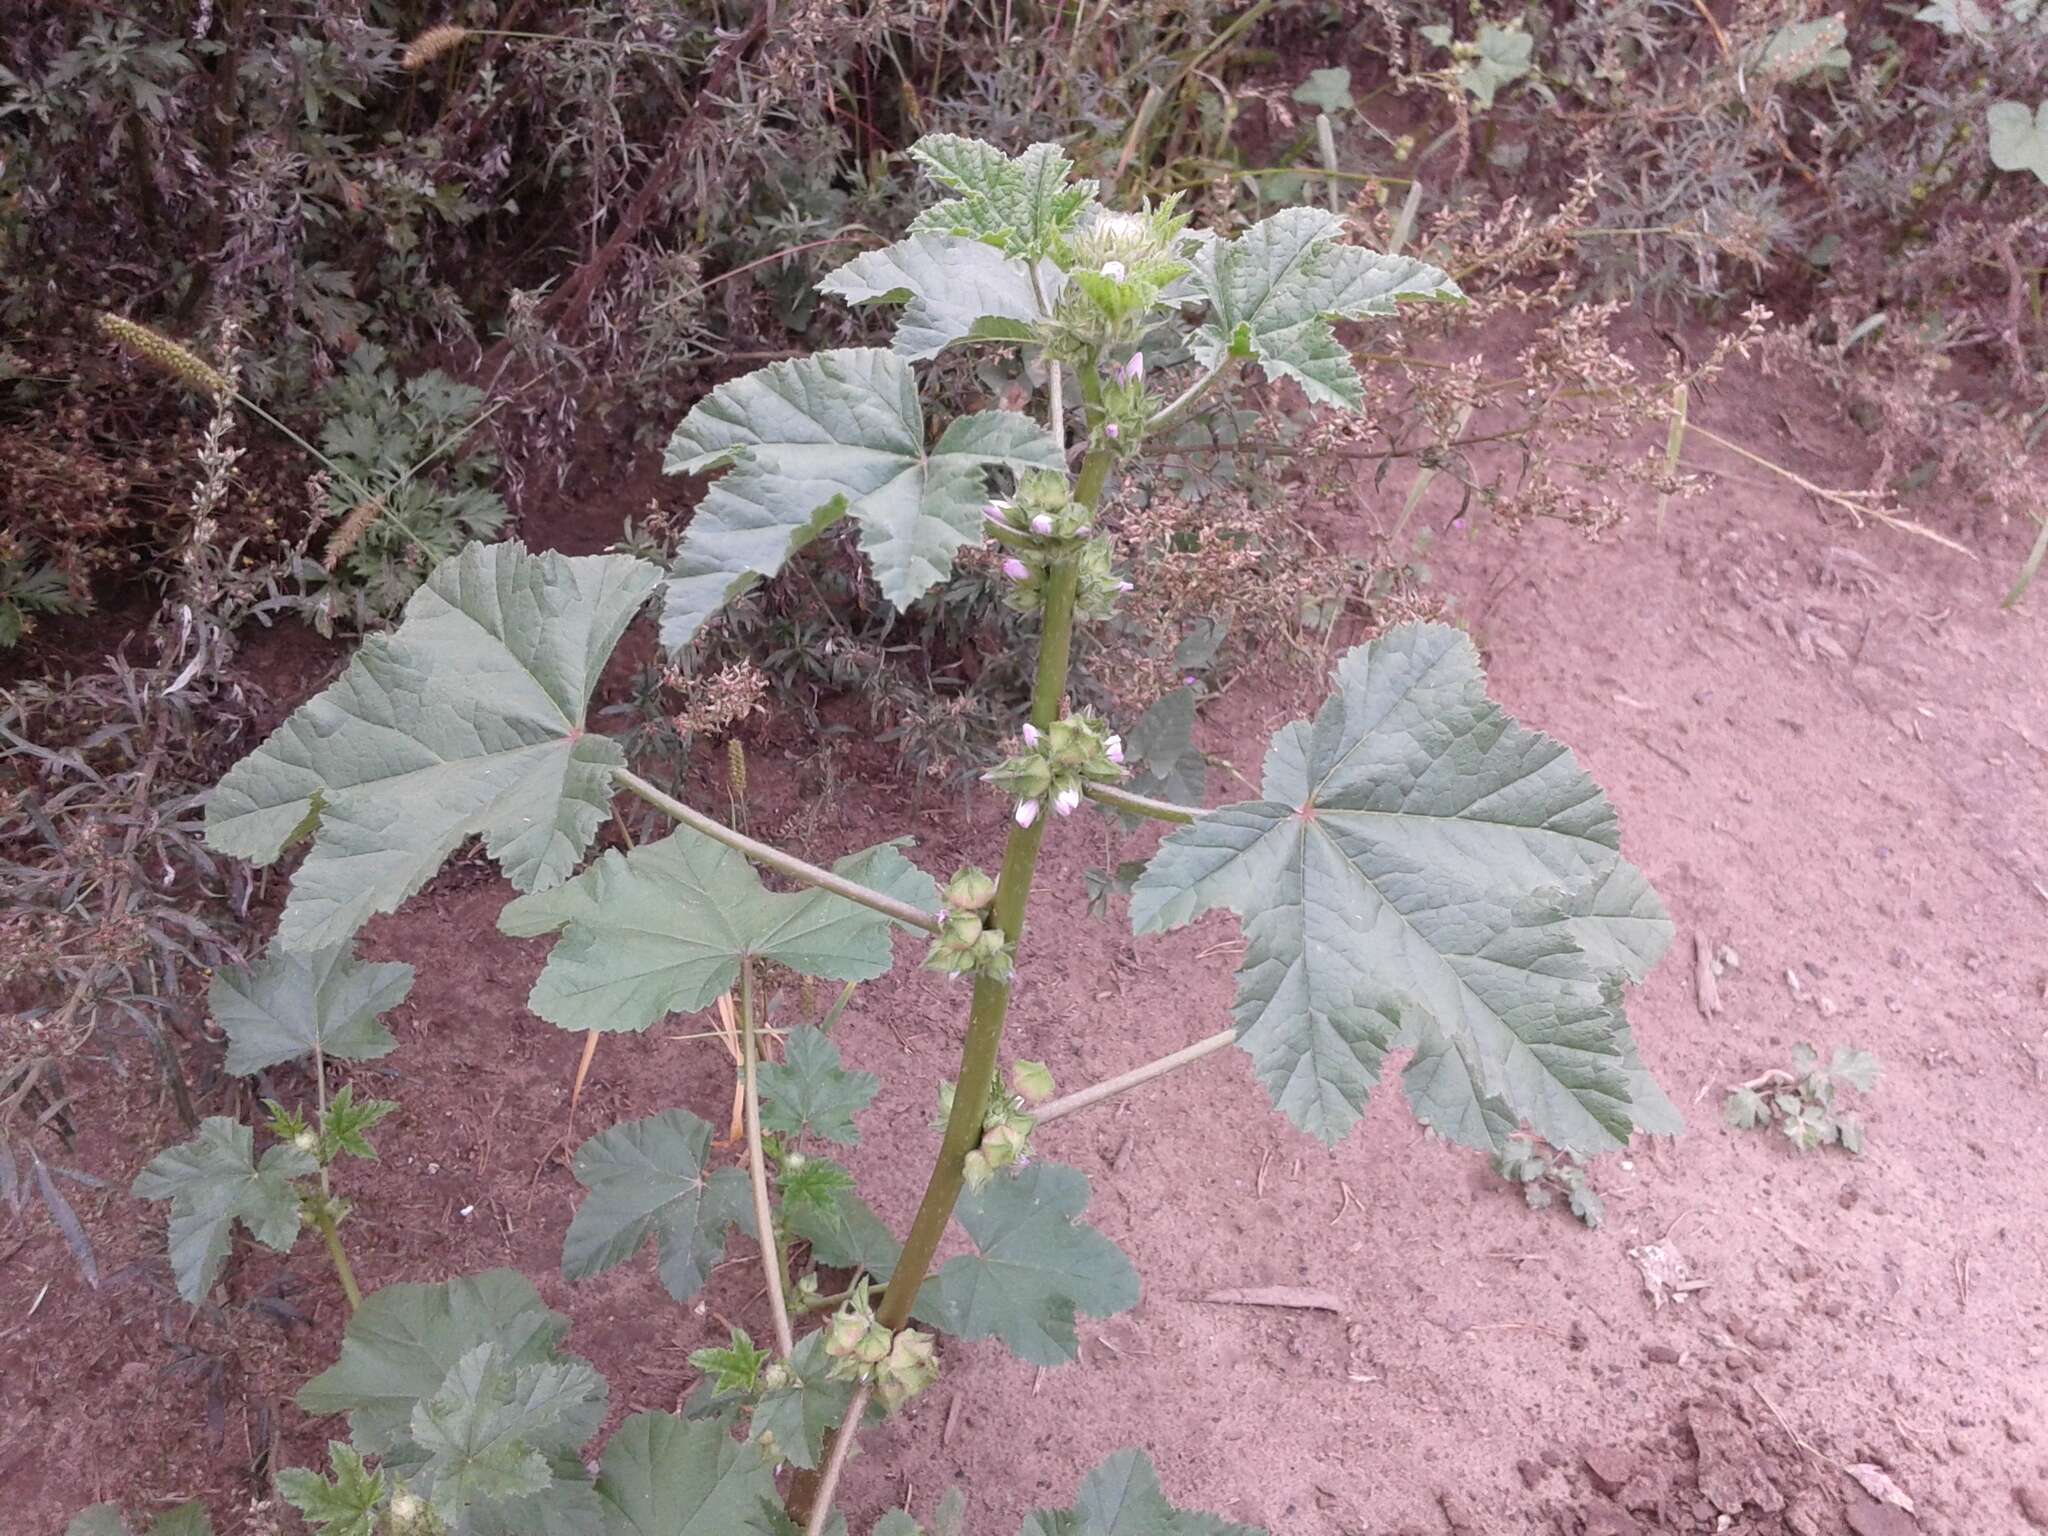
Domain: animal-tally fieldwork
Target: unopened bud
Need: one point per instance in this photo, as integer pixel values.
(873, 1348)
(1113, 270)
(844, 1333)
(1067, 801)
(775, 1377)
(307, 1142)
(405, 1509)
(971, 890)
(977, 1170)
(1030, 734)
(1016, 569)
(1112, 431)
(1041, 525)
(1113, 749)
(1027, 812)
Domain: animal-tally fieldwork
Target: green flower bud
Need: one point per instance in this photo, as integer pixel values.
(971, 890)
(873, 1348)
(977, 1170)
(776, 1376)
(843, 1335)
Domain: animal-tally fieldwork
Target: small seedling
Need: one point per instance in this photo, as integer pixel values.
(1801, 1102)
(1544, 1173)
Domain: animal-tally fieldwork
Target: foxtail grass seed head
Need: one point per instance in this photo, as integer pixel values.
(347, 536)
(159, 351)
(736, 767)
(431, 44)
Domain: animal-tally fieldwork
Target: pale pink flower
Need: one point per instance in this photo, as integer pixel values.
(1027, 812)
(1016, 569)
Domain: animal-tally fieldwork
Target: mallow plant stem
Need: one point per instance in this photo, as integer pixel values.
(992, 998)
(323, 1218)
(757, 1167)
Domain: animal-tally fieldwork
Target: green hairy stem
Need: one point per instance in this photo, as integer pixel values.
(323, 1218)
(992, 998)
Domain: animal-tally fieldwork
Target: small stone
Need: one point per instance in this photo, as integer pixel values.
(1600, 1518)
(1867, 1517)
(1766, 1336)
(1737, 1365)
(1958, 1445)
(1848, 1197)
(1555, 1458)
(1611, 1466)
(2017, 1432)
(1662, 1354)
(1531, 1473)
(2032, 1499)
(1577, 1336)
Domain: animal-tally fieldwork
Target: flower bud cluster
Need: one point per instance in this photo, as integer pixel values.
(1124, 410)
(1041, 527)
(1118, 271)
(900, 1364)
(1057, 763)
(968, 942)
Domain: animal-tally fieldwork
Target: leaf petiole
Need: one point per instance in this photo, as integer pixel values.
(757, 1167)
(1085, 1098)
(774, 858)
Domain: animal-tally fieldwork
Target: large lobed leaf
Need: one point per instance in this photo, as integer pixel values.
(1035, 1268)
(467, 721)
(1122, 1497)
(1273, 291)
(809, 1091)
(803, 443)
(215, 1180)
(461, 1390)
(647, 1178)
(952, 290)
(1423, 870)
(665, 1476)
(665, 927)
(280, 1008)
(1024, 205)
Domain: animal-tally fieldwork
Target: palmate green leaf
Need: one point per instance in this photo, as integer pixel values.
(952, 290)
(346, 1504)
(466, 721)
(401, 1344)
(1122, 1497)
(647, 1178)
(664, 928)
(802, 1415)
(803, 443)
(844, 1231)
(491, 1435)
(1035, 1269)
(215, 1180)
(279, 1008)
(1273, 291)
(809, 1091)
(1408, 877)
(1024, 206)
(665, 1476)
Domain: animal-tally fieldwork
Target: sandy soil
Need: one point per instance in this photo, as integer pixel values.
(1830, 752)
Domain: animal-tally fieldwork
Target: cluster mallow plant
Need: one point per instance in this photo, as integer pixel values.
(1418, 872)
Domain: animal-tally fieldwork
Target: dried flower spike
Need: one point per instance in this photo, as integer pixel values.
(431, 44)
(350, 533)
(173, 358)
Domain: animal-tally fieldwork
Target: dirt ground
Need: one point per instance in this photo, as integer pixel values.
(1830, 752)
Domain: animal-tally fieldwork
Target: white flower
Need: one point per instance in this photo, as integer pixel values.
(1113, 270)
(1067, 800)
(1113, 748)
(1030, 734)
(1027, 812)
